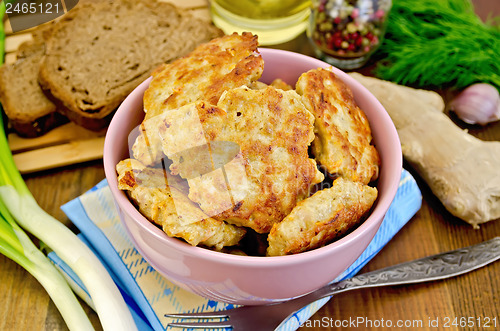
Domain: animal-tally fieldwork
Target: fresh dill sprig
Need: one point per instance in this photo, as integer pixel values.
(439, 43)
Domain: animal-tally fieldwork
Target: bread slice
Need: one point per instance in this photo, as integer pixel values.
(29, 111)
(99, 52)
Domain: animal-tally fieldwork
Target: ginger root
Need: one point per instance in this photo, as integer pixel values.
(461, 170)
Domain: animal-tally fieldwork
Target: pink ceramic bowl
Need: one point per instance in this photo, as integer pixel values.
(243, 279)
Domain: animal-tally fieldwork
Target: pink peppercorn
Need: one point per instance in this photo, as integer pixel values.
(337, 42)
(359, 41)
(347, 31)
(380, 13)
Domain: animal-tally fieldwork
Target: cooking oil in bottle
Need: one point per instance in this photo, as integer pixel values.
(274, 21)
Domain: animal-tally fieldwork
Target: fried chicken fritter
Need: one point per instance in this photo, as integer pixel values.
(147, 148)
(281, 84)
(221, 64)
(204, 74)
(343, 135)
(326, 215)
(256, 181)
(277, 83)
(164, 202)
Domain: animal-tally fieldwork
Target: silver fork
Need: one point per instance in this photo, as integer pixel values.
(269, 317)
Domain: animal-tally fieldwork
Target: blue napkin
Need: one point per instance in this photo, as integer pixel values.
(149, 295)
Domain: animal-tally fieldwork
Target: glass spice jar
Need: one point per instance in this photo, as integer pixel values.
(345, 33)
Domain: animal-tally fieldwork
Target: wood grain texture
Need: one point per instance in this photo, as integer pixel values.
(60, 155)
(24, 305)
(63, 134)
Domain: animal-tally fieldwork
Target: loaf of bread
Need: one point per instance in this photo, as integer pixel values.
(29, 111)
(99, 52)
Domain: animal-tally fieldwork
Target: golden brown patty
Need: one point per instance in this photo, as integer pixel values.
(168, 206)
(268, 169)
(343, 135)
(277, 83)
(213, 67)
(321, 218)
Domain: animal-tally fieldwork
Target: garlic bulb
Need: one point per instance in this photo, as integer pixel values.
(477, 104)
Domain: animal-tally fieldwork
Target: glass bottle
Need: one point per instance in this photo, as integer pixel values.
(345, 33)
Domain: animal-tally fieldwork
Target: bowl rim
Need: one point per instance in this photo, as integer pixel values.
(368, 224)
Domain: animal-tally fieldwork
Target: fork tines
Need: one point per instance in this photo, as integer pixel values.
(200, 324)
(205, 325)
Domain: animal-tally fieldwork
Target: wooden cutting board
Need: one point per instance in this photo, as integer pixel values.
(68, 144)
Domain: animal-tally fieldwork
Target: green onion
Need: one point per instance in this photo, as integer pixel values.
(2, 32)
(439, 43)
(20, 203)
(17, 246)
(19, 207)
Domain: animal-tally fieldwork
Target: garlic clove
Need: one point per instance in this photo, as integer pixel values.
(477, 104)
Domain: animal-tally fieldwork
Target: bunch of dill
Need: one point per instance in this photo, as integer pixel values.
(439, 43)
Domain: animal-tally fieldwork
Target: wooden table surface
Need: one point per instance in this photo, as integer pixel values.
(24, 304)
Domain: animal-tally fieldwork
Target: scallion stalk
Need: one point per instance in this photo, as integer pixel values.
(2, 32)
(17, 246)
(20, 206)
(110, 305)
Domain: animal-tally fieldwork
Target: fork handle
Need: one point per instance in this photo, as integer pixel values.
(435, 267)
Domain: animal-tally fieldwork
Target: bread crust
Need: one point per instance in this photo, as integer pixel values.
(30, 113)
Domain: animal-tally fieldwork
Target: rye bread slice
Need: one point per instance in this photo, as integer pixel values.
(99, 52)
(29, 111)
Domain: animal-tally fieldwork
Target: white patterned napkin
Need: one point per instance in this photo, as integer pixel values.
(150, 295)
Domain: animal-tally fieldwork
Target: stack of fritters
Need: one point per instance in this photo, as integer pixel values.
(203, 74)
(269, 173)
(235, 152)
(165, 203)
